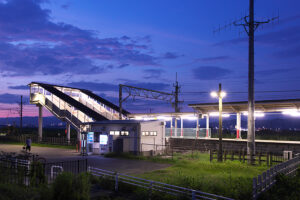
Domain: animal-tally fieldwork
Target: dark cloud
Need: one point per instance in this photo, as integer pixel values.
(213, 59)
(170, 55)
(153, 73)
(125, 37)
(11, 98)
(30, 43)
(210, 72)
(93, 86)
(65, 6)
(123, 66)
(19, 87)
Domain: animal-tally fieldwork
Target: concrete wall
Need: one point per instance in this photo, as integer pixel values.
(236, 145)
(155, 143)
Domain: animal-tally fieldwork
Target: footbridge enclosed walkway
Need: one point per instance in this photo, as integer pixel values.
(72, 105)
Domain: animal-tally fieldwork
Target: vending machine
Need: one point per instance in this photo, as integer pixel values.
(103, 142)
(90, 142)
(96, 143)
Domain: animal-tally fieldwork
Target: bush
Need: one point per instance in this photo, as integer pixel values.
(286, 188)
(69, 187)
(17, 192)
(37, 174)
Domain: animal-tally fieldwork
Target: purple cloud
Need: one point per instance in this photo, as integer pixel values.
(102, 87)
(65, 6)
(12, 98)
(170, 55)
(153, 73)
(19, 87)
(93, 86)
(30, 43)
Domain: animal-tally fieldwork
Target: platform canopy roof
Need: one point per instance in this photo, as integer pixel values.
(242, 106)
(163, 116)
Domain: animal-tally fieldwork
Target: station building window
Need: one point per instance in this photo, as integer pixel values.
(125, 133)
(122, 133)
(114, 133)
(149, 133)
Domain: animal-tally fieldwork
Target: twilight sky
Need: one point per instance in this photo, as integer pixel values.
(97, 45)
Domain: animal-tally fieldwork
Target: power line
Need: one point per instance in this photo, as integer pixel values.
(241, 92)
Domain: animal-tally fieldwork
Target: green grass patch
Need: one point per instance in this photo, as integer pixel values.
(230, 178)
(42, 145)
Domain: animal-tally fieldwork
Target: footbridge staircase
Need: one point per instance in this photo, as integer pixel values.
(73, 105)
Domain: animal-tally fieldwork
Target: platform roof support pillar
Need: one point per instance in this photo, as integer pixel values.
(197, 127)
(238, 125)
(181, 127)
(175, 127)
(68, 128)
(171, 127)
(207, 126)
(40, 122)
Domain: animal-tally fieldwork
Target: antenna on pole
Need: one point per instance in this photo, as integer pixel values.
(250, 25)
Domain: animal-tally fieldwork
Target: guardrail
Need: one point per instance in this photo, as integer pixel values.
(267, 179)
(153, 185)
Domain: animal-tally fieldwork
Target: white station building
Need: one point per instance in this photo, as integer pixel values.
(123, 136)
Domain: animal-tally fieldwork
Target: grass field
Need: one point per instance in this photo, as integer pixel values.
(230, 179)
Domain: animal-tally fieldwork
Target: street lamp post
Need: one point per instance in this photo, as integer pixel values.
(220, 94)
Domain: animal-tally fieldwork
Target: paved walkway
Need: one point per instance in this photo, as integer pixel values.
(113, 164)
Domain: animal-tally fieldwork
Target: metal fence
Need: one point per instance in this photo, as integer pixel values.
(269, 158)
(188, 132)
(267, 179)
(152, 185)
(26, 172)
(35, 139)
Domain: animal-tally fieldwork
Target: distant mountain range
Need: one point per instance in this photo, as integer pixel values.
(281, 122)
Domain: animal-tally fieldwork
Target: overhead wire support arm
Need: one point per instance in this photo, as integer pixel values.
(141, 92)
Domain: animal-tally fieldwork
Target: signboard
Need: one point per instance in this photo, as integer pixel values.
(90, 137)
(103, 139)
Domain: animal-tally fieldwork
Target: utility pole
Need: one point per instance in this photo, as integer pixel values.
(251, 101)
(120, 102)
(21, 114)
(220, 152)
(250, 25)
(177, 109)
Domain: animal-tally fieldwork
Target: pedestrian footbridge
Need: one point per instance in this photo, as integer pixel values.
(73, 105)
